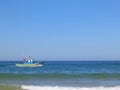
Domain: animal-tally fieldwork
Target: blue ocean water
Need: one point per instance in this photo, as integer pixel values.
(62, 73)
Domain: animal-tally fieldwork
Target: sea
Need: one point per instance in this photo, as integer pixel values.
(61, 75)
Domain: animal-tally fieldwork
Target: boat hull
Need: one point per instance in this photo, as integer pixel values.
(29, 65)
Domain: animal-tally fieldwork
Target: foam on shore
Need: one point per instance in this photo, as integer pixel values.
(68, 88)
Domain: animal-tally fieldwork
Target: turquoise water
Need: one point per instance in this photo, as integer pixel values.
(62, 73)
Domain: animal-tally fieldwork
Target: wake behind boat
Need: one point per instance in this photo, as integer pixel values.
(29, 63)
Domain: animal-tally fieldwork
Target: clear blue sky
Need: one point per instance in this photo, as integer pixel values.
(60, 29)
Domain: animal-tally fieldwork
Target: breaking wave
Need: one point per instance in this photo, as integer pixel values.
(68, 88)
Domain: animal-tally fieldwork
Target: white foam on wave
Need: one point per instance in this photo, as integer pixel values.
(68, 88)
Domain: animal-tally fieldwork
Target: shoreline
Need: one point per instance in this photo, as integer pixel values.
(11, 87)
(32, 87)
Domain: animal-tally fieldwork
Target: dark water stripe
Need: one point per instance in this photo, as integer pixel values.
(57, 76)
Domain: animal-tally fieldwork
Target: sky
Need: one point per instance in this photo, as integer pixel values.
(60, 29)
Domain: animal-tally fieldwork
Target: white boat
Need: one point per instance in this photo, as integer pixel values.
(29, 63)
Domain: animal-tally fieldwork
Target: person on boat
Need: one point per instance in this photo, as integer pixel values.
(31, 60)
(25, 60)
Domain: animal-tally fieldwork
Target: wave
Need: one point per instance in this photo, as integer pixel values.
(68, 88)
(60, 75)
(30, 87)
